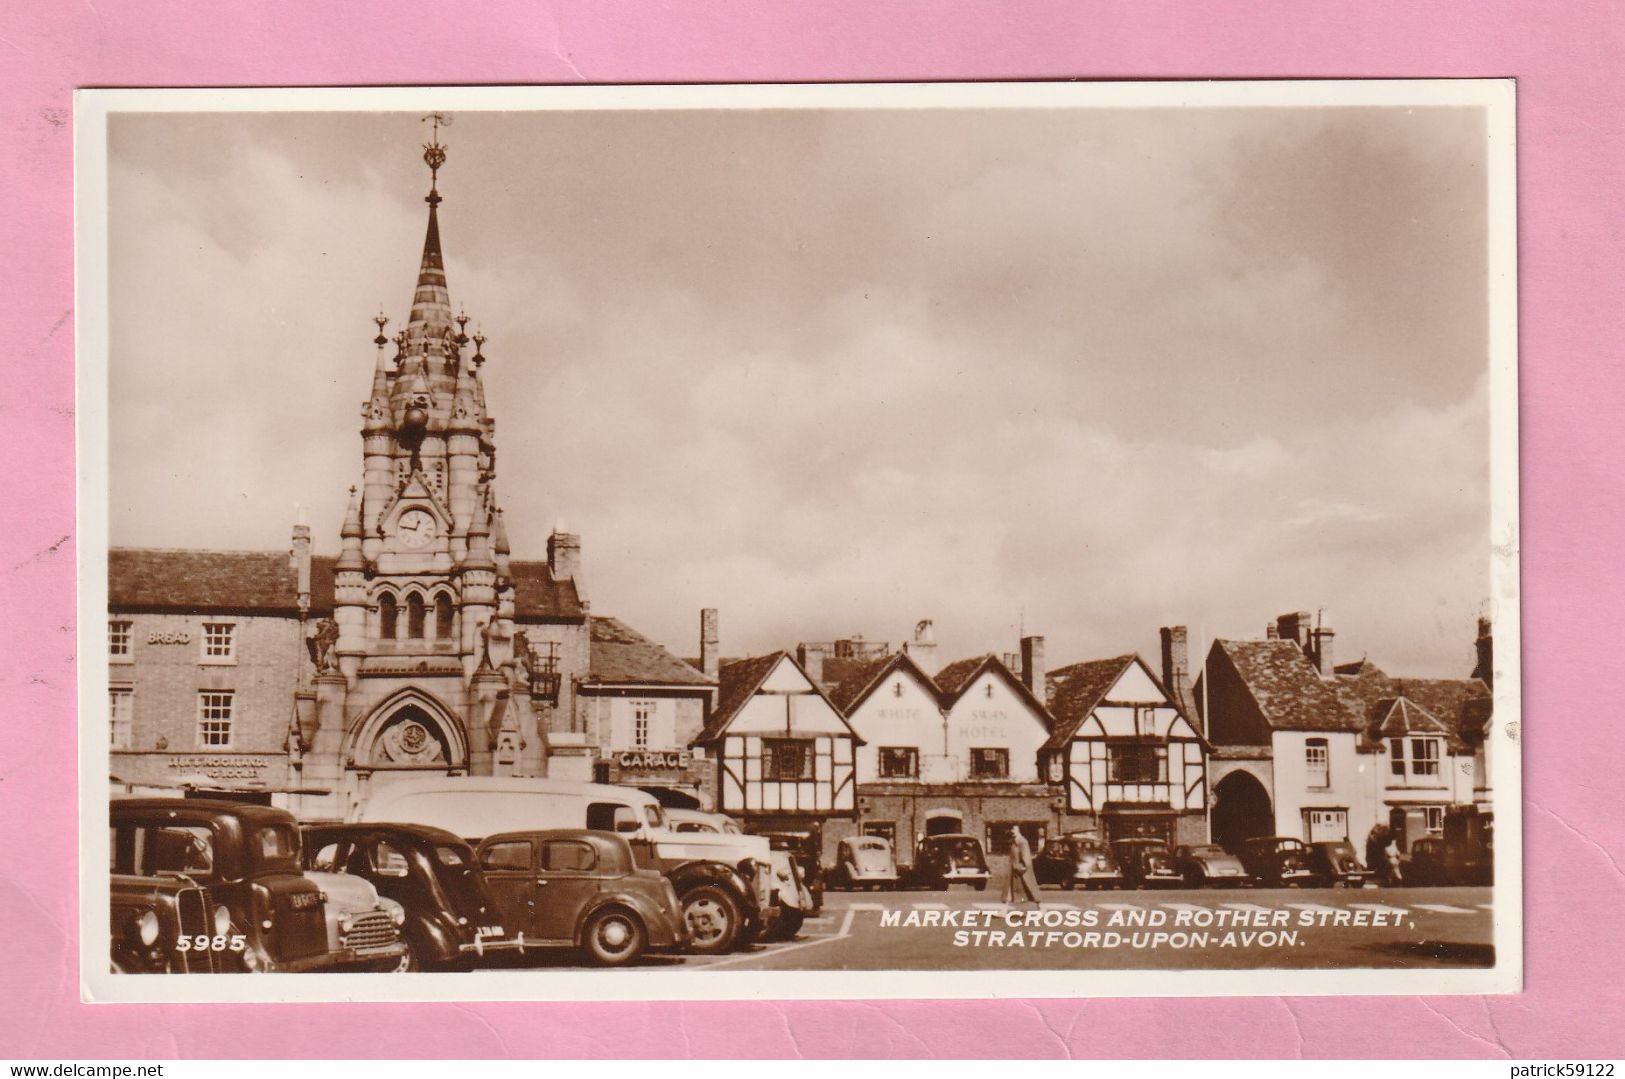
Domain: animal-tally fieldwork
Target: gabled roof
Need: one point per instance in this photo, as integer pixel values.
(954, 680)
(738, 682)
(1462, 705)
(1289, 692)
(1075, 690)
(621, 654)
(863, 679)
(1398, 715)
(263, 582)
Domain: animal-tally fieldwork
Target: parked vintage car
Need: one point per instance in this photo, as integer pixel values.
(574, 888)
(451, 916)
(1077, 860)
(791, 902)
(941, 861)
(363, 928)
(246, 859)
(166, 924)
(1335, 862)
(1463, 854)
(806, 850)
(1207, 865)
(724, 879)
(1277, 861)
(863, 861)
(1147, 863)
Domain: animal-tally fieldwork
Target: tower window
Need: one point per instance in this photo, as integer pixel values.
(414, 616)
(214, 719)
(442, 617)
(388, 617)
(219, 642)
(121, 706)
(118, 639)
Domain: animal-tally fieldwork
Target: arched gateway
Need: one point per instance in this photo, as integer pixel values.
(1241, 810)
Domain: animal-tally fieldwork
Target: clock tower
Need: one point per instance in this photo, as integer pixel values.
(418, 670)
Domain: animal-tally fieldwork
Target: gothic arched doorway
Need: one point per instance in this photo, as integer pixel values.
(1241, 810)
(409, 730)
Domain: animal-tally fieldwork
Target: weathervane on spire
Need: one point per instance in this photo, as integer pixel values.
(434, 154)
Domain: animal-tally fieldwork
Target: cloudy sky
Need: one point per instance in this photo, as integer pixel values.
(1090, 371)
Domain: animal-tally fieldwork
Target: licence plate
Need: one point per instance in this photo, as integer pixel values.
(489, 931)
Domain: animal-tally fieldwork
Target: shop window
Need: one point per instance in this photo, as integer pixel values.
(118, 640)
(988, 763)
(1324, 825)
(1317, 762)
(1137, 763)
(996, 835)
(121, 706)
(219, 642)
(786, 759)
(214, 719)
(899, 762)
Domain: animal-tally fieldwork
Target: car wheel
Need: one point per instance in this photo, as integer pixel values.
(614, 937)
(713, 917)
(409, 960)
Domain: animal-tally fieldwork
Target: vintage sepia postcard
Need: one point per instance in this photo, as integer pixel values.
(951, 540)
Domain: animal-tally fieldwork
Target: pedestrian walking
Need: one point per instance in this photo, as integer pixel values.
(1022, 885)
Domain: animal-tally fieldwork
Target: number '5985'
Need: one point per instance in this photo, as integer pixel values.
(205, 943)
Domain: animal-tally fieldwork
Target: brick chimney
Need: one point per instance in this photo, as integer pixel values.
(1294, 626)
(710, 643)
(299, 561)
(1032, 665)
(564, 555)
(811, 658)
(1485, 668)
(1176, 662)
(923, 648)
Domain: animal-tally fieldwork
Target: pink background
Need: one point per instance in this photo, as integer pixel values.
(1565, 57)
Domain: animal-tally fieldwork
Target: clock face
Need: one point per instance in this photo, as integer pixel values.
(416, 529)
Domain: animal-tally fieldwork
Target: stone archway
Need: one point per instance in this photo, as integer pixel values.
(944, 822)
(1241, 810)
(409, 730)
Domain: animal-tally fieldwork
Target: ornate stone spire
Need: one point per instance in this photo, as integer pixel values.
(431, 303)
(350, 556)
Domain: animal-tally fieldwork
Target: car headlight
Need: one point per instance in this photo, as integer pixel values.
(397, 913)
(146, 927)
(222, 921)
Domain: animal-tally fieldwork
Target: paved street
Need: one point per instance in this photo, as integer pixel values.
(1155, 930)
(1244, 929)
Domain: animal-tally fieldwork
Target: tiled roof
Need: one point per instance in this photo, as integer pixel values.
(835, 669)
(1075, 690)
(861, 680)
(737, 682)
(622, 654)
(263, 582)
(1289, 692)
(952, 679)
(1461, 704)
(957, 677)
(1399, 715)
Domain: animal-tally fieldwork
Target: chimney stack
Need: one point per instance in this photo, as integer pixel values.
(1485, 668)
(923, 648)
(710, 643)
(1322, 654)
(1295, 626)
(299, 560)
(1176, 662)
(1032, 665)
(564, 555)
(811, 658)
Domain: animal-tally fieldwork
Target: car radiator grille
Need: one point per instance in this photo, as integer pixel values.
(372, 931)
(193, 910)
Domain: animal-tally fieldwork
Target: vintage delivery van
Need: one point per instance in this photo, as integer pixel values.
(724, 882)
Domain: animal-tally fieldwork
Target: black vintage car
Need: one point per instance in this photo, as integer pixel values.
(1278, 861)
(166, 924)
(573, 888)
(1335, 862)
(451, 915)
(1147, 863)
(941, 861)
(1074, 860)
(245, 858)
(1463, 854)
